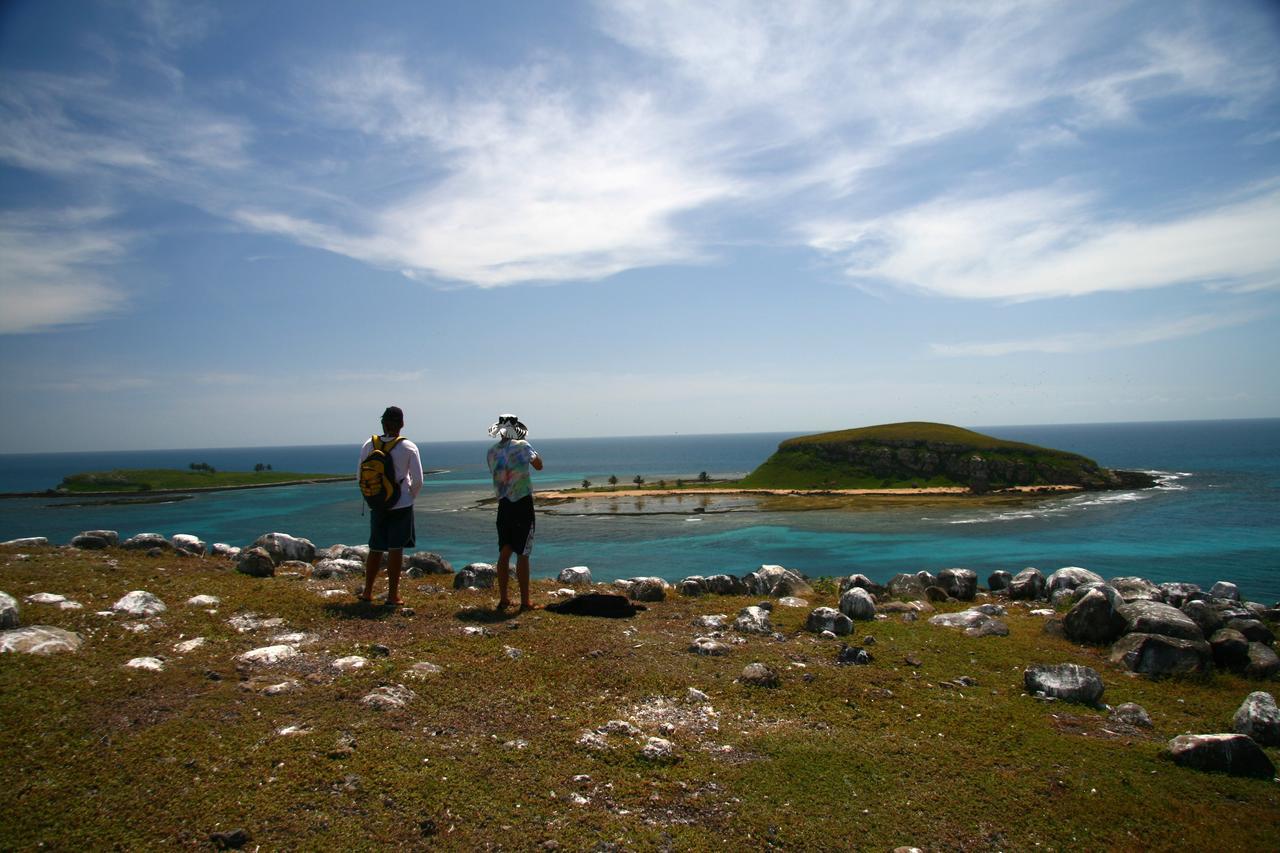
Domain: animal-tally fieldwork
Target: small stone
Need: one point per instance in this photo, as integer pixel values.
(593, 740)
(45, 598)
(759, 675)
(657, 749)
(512, 652)
(231, 839)
(350, 663)
(693, 694)
(1131, 714)
(204, 601)
(423, 669)
(389, 697)
(188, 646)
(377, 650)
(269, 654)
(290, 686)
(139, 603)
(854, 655)
(147, 663)
(620, 727)
(709, 646)
(9, 617)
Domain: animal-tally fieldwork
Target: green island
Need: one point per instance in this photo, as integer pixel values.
(144, 480)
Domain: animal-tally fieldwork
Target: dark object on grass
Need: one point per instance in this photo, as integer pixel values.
(230, 840)
(597, 604)
(854, 655)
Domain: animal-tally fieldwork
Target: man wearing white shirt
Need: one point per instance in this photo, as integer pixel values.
(391, 530)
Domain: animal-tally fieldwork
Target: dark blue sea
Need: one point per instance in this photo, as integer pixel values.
(1216, 517)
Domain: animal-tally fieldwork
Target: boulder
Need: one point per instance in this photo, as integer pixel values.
(1203, 614)
(658, 749)
(1263, 662)
(988, 628)
(1131, 715)
(1230, 649)
(187, 543)
(222, 549)
(753, 620)
(422, 563)
(1095, 618)
(347, 552)
(149, 664)
(203, 601)
(828, 619)
(389, 697)
(990, 609)
(998, 580)
(962, 619)
(726, 585)
(255, 562)
(1259, 718)
(776, 581)
(792, 601)
(960, 584)
(1070, 577)
(91, 540)
(27, 542)
(1225, 589)
(1135, 588)
(1254, 631)
(575, 576)
(863, 582)
(331, 568)
(139, 603)
(759, 675)
(1069, 682)
(648, 589)
(145, 542)
(282, 546)
(1178, 594)
(857, 603)
(1027, 585)
(479, 575)
(1159, 654)
(1235, 754)
(39, 640)
(9, 616)
(905, 586)
(927, 579)
(935, 594)
(1154, 617)
(710, 647)
(694, 585)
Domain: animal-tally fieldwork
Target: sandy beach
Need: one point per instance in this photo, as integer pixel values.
(579, 494)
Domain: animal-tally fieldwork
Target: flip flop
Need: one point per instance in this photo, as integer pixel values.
(399, 602)
(501, 606)
(525, 608)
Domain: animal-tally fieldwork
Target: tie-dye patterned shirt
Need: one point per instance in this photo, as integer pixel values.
(509, 464)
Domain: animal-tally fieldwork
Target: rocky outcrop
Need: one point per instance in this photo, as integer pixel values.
(1070, 577)
(145, 542)
(1153, 617)
(1159, 655)
(95, 540)
(422, 563)
(282, 547)
(828, 619)
(255, 562)
(478, 575)
(777, 582)
(1095, 618)
(575, 576)
(960, 584)
(1027, 585)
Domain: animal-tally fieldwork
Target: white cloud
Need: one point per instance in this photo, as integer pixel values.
(52, 269)
(1052, 243)
(1077, 342)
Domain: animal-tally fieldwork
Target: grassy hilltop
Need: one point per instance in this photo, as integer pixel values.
(486, 753)
(921, 454)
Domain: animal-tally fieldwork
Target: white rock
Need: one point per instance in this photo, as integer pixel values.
(693, 694)
(296, 638)
(593, 740)
(620, 727)
(473, 631)
(575, 575)
(389, 697)
(39, 640)
(1044, 611)
(713, 622)
(350, 663)
(188, 646)
(246, 622)
(70, 605)
(149, 664)
(578, 800)
(28, 542)
(288, 731)
(45, 598)
(512, 652)
(204, 601)
(283, 687)
(139, 603)
(269, 654)
(334, 593)
(792, 601)
(424, 669)
(187, 543)
(657, 749)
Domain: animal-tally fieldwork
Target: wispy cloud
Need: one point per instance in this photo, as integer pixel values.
(1053, 242)
(1078, 342)
(55, 268)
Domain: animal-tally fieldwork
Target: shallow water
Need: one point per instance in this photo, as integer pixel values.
(1217, 516)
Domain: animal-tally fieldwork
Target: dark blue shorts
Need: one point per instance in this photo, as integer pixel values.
(515, 525)
(391, 530)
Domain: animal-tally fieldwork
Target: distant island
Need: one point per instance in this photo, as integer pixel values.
(199, 477)
(898, 460)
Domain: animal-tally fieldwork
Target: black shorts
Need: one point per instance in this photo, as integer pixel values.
(515, 525)
(391, 530)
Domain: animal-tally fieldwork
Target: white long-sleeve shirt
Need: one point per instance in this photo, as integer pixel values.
(408, 465)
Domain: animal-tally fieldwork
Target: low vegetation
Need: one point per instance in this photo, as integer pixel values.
(197, 477)
(487, 754)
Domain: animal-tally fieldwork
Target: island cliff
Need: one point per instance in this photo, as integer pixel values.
(920, 454)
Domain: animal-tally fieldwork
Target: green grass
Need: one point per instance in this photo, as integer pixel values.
(853, 758)
(153, 479)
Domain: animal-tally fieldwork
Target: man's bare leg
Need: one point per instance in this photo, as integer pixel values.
(395, 560)
(371, 566)
(522, 576)
(504, 575)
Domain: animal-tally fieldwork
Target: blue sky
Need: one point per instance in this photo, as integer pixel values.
(242, 224)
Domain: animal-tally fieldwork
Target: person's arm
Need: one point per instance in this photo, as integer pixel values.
(535, 459)
(415, 470)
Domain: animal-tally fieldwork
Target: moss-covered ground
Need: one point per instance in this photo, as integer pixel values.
(486, 757)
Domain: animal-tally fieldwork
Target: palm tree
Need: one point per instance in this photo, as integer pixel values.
(586, 484)
(613, 479)
(703, 478)
(638, 480)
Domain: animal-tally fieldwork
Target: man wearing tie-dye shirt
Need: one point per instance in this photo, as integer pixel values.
(509, 462)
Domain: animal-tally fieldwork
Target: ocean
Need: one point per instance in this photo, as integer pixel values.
(1215, 517)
